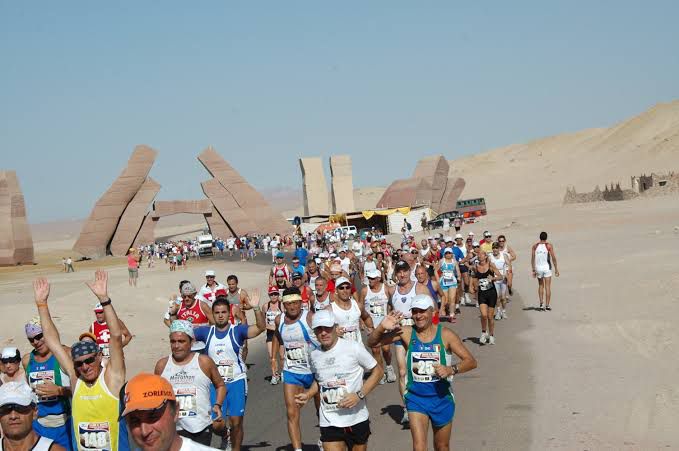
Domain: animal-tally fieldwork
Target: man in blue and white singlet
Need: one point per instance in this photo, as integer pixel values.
(429, 396)
(224, 344)
(294, 333)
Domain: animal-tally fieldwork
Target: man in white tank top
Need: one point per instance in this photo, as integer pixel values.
(191, 375)
(349, 313)
(542, 257)
(322, 297)
(18, 408)
(503, 264)
(374, 298)
(401, 297)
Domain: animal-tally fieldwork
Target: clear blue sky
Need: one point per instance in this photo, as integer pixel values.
(83, 82)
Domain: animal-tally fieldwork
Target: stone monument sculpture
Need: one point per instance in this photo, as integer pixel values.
(342, 185)
(133, 217)
(16, 241)
(315, 190)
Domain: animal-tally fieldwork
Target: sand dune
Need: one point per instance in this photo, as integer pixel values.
(539, 171)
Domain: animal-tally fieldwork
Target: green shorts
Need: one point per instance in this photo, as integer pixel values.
(133, 272)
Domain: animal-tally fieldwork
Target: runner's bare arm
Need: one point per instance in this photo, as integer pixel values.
(532, 259)
(41, 289)
(455, 346)
(302, 398)
(260, 321)
(115, 369)
(365, 316)
(209, 368)
(127, 336)
(208, 312)
(512, 254)
(362, 296)
(160, 366)
(389, 331)
(275, 345)
(550, 248)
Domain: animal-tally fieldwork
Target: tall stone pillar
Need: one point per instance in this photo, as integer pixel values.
(342, 184)
(16, 241)
(314, 187)
(132, 219)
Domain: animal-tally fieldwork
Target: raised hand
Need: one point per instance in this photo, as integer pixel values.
(392, 320)
(100, 285)
(301, 399)
(41, 289)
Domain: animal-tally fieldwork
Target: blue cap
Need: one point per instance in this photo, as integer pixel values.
(280, 255)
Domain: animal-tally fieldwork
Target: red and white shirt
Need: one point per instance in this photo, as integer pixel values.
(208, 294)
(103, 336)
(194, 314)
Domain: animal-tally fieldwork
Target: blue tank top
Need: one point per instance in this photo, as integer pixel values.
(421, 379)
(49, 370)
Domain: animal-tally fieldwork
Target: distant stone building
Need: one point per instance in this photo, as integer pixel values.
(642, 183)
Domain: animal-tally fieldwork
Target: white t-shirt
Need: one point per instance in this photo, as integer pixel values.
(345, 262)
(190, 445)
(357, 247)
(338, 372)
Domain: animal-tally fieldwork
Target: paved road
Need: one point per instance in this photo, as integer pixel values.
(494, 402)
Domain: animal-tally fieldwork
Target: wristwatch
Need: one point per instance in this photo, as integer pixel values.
(455, 370)
(360, 394)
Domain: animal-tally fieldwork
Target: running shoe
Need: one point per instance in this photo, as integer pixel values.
(391, 375)
(498, 315)
(457, 310)
(491, 340)
(504, 314)
(548, 308)
(405, 419)
(383, 380)
(274, 380)
(483, 338)
(509, 289)
(541, 308)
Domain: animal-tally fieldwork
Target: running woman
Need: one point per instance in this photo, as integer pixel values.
(542, 258)
(429, 397)
(503, 264)
(294, 333)
(272, 310)
(483, 283)
(338, 366)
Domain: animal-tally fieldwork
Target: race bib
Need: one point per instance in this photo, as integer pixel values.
(448, 277)
(94, 436)
(271, 317)
(296, 354)
(226, 370)
(36, 378)
(422, 366)
(485, 284)
(352, 333)
(186, 400)
(332, 393)
(377, 308)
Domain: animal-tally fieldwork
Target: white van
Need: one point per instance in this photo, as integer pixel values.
(204, 244)
(349, 231)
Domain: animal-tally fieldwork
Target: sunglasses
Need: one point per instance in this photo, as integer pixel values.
(10, 360)
(501, 241)
(36, 338)
(274, 294)
(476, 247)
(88, 361)
(23, 410)
(344, 287)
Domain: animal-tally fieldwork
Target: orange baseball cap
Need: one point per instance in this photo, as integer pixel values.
(147, 391)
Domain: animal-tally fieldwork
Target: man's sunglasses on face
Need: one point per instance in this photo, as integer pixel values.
(36, 338)
(88, 361)
(10, 360)
(22, 410)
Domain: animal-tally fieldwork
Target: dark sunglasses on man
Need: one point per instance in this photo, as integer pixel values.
(89, 361)
(10, 360)
(22, 410)
(36, 338)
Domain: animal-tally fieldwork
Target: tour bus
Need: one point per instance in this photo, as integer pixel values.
(470, 208)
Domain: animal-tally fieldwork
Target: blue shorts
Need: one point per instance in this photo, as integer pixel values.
(61, 434)
(445, 288)
(236, 397)
(440, 410)
(303, 380)
(398, 343)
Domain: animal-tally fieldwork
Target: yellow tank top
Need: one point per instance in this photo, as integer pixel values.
(95, 416)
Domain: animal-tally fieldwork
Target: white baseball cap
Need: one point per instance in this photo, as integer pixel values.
(323, 318)
(209, 273)
(373, 273)
(422, 302)
(17, 393)
(458, 236)
(447, 250)
(471, 234)
(475, 243)
(448, 239)
(341, 280)
(10, 352)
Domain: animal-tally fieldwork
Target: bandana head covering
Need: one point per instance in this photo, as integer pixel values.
(81, 348)
(33, 327)
(181, 325)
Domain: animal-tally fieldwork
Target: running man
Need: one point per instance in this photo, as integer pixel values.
(338, 366)
(429, 397)
(209, 292)
(225, 345)
(506, 249)
(293, 331)
(504, 265)
(541, 260)
(190, 309)
(426, 285)
(52, 386)
(102, 334)
(304, 290)
(95, 388)
(374, 298)
(349, 313)
(191, 375)
(322, 298)
(401, 296)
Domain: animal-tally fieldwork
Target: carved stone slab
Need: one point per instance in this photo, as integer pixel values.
(342, 184)
(16, 241)
(315, 189)
(133, 217)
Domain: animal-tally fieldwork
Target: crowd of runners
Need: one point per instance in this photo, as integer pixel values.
(333, 320)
